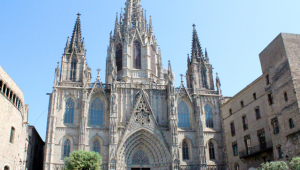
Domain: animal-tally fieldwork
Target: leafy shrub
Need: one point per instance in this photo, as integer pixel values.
(278, 165)
(295, 163)
(83, 160)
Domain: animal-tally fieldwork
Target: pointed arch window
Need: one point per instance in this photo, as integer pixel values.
(211, 151)
(185, 150)
(203, 77)
(67, 148)
(209, 116)
(140, 158)
(119, 53)
(137, 55)
(96, 146)
(96, 112)
(73, 69)
(183, 115)
(69, 112)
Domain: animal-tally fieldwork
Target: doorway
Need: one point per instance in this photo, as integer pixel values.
(140, 168)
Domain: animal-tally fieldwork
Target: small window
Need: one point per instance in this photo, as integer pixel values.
(247, 141)
(270, 98)
(185, 150)
(267, 79)
(1, 84)
(279, 152)
(286, 97)
(275, 125)
(291, 123)
(232, 128)
(6, 168)
(257, 113)
(12, 135)
(235, 149)
(230, 111)
(236, 167)
(254, 96)
(211, 151)
(242, 103)
(262, 140)
(96, 147)
(67, 148)
(245, 122)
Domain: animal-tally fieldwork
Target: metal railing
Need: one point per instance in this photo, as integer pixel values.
(256, 149)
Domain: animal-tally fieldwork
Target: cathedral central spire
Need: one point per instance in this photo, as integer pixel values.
(76, 41)
(196, 46)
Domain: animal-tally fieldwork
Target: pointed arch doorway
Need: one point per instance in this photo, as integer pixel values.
(140, 161)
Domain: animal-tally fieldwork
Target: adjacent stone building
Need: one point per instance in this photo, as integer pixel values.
(246, 129)
(137, 119)
(35, 150)
(274, 96)
(13, 126)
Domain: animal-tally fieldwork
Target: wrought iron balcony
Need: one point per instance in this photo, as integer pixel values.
(256, 149)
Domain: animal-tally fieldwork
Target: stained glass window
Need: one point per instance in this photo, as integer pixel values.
(67, 148)
(211, 151)
(185, 150)
(137, 55)
(73, 70)
(96, 146)
(69, 112)
(183, 115)
(209, 116)
(153, 63)
(140, 158)
(203, 76)
(96, 112)
(119, 57)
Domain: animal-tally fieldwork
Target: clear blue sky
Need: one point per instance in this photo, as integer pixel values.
(34, 33)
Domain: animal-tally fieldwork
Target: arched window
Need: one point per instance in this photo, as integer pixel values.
(69, 112)
(211, 151)
(119, 54)
(67, 148)
(291, 123)
(137, 55)
(209, 116)
(73, 69)
(185, 150)
(203, 77)
(96, 146)
(96, 112)
(6, 168)
(140, 158)
(12, 135)
(183, 115)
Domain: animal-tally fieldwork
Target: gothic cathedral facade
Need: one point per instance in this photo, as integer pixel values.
(137, 119)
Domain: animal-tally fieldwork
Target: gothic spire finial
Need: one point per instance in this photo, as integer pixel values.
(196, 46)
(98, 70)
(76, 36)
(181, 75)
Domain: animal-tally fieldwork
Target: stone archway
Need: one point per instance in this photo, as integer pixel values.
(153, 149)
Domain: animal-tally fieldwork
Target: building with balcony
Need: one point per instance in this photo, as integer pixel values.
(247, 137)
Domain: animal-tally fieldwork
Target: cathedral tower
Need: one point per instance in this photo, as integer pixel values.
(133, 48)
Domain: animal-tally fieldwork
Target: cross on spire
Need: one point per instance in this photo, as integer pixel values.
(98, 70)
(78, 14)
(194, 25)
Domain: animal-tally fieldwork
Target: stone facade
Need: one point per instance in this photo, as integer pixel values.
(137, 119)
(255, 127)
(280, 66)
(14, 116)
(35, 150)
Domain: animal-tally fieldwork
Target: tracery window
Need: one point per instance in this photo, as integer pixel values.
(209, 116)
(69, 112)
(203, 77)
(137, 55)
(67, 148)
(73, 69)
(96, 112)
(119, 54)
(185, 150)
(211, 151)
(183, 115)
(140, 158)
(96, 146)
(153, 63)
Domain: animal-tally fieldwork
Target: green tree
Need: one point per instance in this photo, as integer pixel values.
(295, 163)
(83, 160)
(277, 165)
